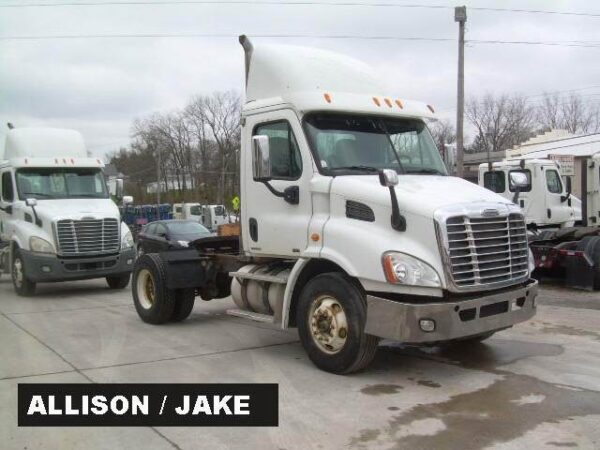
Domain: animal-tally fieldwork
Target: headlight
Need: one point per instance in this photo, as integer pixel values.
(404, 269)
(184, 243)
(127, 240)
(531, 262)
(39, 245)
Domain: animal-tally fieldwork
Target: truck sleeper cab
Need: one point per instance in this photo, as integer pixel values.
(57, 221)
(351, 229)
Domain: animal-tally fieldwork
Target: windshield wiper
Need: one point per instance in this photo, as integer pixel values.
(38, 193)
(426, 171)
(365, 168)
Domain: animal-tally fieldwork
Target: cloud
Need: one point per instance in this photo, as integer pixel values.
(100, 85)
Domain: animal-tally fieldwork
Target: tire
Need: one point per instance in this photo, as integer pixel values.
(319, 316)
(153, 302)
(184, 304)
(23, 286)
(118, 281)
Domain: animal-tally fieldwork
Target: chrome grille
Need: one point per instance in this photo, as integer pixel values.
(87, 236)
(487, 250)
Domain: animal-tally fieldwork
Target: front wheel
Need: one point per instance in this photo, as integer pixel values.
(118, 281)
(331, 317)
(23, 286)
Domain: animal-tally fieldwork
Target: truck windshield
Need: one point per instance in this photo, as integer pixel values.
(57, 183)
(349, 144)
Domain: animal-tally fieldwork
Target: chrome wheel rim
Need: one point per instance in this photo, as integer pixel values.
(146, 289)
(17, 272)
(328, 324)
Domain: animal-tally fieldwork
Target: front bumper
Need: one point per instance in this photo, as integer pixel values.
(454, 319)
(41, 268)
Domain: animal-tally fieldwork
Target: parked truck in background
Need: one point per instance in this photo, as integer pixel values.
(57, 220)
(351, 229)
(187, 211)
(565, 240)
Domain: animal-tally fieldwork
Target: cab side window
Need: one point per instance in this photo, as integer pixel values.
(8, 194)
(553, 182)
(286, 161)
(495, 181)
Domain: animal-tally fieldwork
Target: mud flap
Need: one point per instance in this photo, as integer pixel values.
(581, 269)
(186, 269)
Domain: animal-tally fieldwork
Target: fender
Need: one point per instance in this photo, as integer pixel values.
(289, 290)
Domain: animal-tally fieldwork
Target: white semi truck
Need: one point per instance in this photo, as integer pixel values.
(351, 229)
(57, 220)
(565, 240)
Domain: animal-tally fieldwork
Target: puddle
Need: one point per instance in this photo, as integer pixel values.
(569, 331)
(381, 389)
(496, 413)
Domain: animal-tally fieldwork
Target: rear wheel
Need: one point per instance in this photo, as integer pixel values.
(153, 302)
(184, 304)
(118, 281)
(23, 286)
(331, 318)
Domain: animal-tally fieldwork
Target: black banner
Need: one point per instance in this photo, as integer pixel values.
(137, 405)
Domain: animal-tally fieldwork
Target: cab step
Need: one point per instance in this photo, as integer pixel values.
(257, 317)
(259, 277)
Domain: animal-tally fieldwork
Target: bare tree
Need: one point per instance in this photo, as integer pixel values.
(569, 113)
(443, 132)
(501, 122)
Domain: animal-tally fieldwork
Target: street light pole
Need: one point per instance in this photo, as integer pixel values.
(158, 164)
(460, 16)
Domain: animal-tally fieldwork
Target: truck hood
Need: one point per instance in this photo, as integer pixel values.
(76, 209)
(417, 194)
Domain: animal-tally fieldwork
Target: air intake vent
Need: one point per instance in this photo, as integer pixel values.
(359, 211)
(87, 236)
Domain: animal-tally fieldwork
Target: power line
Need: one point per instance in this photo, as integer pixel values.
(581, 44)
(298, 3)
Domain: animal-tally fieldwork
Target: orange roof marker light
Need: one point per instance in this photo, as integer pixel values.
(431, 108)
(399, 103)
(376, 101)
(388, 102)
(327, 97)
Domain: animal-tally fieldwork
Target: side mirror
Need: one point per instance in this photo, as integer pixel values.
(127, 199)
(32, 202)
(519, 179)
(567, 196)
(261, 158)
(119, 188)
(388, 177)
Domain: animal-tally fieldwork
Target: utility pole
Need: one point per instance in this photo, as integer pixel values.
(158, 164)
(460, 16)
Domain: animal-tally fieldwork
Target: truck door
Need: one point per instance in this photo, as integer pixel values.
(557, 210)
(271, 225)
(7, 197)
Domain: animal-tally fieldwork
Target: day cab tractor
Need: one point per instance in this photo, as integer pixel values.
(351, 229)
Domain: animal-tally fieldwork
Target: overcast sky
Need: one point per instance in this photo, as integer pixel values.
(99, 86)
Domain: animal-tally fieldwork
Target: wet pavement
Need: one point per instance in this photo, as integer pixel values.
(534, 386)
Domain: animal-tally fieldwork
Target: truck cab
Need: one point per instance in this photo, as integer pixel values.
(351, 228)
(188, 211)
(57, 220)
(545, 199)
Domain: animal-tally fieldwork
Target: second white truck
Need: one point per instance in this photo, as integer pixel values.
(57, 220)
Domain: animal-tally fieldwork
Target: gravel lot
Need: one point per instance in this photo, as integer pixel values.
(534, 386)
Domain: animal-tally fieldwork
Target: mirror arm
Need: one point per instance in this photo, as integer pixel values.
(37, 220)
(515, 198)
(398, 220)
(291, 194)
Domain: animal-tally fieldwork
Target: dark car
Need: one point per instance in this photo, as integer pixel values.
(165, 235)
